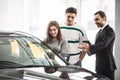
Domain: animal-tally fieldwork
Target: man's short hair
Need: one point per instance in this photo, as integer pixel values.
(101, 13)
(71, 10)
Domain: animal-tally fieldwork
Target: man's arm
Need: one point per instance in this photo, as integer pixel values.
(85, 48)
(82, 56)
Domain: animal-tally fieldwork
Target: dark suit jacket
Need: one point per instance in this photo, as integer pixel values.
(103, 48)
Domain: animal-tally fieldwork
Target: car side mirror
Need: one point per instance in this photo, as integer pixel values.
(50, 69)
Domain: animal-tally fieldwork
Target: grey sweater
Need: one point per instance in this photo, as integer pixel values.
(59, 47)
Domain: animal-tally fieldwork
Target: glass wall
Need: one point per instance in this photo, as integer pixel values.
(38, 13)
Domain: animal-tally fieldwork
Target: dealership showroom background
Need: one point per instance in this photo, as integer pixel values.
(33, 16)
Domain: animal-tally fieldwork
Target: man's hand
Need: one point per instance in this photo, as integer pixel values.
(85, 47)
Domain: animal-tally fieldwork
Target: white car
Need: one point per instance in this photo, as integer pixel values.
(25, 57)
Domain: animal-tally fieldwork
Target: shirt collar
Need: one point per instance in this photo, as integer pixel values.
(103, 26)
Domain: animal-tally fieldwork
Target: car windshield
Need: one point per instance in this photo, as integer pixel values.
(20, 51)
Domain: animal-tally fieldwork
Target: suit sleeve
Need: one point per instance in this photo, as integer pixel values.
(104, 40)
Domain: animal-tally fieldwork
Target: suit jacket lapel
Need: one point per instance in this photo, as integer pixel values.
(98, 34)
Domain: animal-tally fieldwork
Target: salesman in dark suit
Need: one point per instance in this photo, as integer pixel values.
(103, 47)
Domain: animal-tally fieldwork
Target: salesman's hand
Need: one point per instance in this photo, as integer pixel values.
(85, 47)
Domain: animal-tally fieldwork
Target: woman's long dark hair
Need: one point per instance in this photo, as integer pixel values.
(48, 36)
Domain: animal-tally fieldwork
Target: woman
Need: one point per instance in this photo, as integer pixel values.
(55, 41)
(54, 38)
